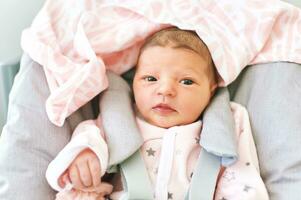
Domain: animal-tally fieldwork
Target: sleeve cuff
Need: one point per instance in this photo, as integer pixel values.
(90, 138)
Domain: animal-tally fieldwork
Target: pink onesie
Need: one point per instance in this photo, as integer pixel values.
(170, 156)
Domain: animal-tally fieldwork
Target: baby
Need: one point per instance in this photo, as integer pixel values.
(174, 81)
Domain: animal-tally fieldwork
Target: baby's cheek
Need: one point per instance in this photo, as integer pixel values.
(191, 115)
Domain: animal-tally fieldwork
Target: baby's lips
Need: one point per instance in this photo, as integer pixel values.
(163, 109)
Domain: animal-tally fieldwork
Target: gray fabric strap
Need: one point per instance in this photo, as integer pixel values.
(218, 131)
(204, 178)
(119, 120)
(137, 181)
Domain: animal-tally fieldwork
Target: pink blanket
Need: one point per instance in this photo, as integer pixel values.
(77, 40)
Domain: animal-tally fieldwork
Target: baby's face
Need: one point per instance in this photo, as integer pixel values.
(170, 86)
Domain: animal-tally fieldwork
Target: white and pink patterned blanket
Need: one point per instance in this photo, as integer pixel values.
(77, 40)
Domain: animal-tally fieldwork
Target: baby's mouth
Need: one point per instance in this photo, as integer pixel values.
(163, 109)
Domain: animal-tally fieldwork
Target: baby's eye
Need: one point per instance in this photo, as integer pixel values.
(187, 82)
(150, 78)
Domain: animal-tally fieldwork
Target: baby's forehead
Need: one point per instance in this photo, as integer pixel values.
(172, 48)
(171, 56)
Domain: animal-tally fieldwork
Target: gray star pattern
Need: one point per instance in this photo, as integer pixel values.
(170, 195)
(156, 170)
(247, 188)
(229, 175)
(150, 152)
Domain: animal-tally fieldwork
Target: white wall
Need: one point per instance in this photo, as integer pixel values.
(15, 15)
(295, 2)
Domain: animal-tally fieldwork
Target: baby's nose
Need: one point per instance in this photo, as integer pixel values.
(166, 88)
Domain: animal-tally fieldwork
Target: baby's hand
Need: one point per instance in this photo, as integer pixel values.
(83, 172)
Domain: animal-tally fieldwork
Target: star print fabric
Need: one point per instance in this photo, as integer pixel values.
(170, 179)
(242, 179)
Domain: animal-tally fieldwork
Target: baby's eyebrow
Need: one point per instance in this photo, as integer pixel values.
(188, 70)
(184, 46)
(147, 71)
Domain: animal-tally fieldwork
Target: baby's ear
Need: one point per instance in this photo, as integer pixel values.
(213, 88)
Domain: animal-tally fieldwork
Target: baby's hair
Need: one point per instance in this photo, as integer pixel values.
(176, 38)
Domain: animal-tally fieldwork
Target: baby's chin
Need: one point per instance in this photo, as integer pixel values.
(167, 123)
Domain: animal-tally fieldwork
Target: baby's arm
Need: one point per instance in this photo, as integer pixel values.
(83, 160)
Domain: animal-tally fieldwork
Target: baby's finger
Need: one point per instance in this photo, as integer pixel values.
(75, 178)
(84, 172)
(104, 188)
(94, 167)
(62, 179)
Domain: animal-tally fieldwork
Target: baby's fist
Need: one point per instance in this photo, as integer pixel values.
(83, 172)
